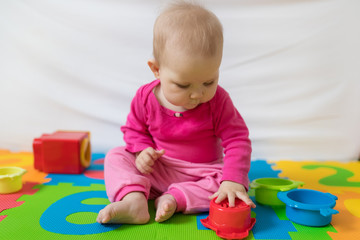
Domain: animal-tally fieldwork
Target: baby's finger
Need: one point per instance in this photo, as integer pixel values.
(246, 199)
(231, 199)
(147, 168)
(214, 195)
(160, 152)
(220, 197)
(143, 168)
(149, 162)
(151, 153)
(138, 166)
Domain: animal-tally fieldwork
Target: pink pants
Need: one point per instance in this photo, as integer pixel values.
(190, 183)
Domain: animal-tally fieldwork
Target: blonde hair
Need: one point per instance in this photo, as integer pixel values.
(189, 27)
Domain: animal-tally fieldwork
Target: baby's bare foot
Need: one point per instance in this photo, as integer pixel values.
(132, 209)
(165, 207)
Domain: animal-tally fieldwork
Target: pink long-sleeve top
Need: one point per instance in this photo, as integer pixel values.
(200, 135)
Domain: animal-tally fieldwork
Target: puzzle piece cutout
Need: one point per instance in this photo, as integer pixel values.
(38, 211)
(313, 175)
(339, 179)
(312, 233)
(96, 170)
(9, 200)
(347, 222)
(74, 205)
(269, 225)
(199, 224)
(262, 169)
(352, 205)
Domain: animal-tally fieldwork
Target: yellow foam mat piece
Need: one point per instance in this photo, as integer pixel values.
(24, 160)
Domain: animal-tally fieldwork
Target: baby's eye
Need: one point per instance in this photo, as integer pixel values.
(208, 83)
(182, 86)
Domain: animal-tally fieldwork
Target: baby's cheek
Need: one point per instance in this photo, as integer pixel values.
(177, 99)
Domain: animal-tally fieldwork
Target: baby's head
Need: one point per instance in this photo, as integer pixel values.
(187, 48)
(188, 28)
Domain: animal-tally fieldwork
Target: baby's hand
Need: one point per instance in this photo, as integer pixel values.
(231, 190)
(146, 159)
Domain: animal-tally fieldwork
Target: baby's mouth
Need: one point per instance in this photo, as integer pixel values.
(194, 104)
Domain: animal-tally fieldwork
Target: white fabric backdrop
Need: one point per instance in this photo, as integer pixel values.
(291, 66)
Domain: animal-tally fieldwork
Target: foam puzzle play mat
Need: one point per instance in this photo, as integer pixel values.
(65, 206)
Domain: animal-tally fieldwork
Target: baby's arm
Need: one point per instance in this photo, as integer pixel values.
(231, 190)
(146, 159)
(230, 127)
(136, 133)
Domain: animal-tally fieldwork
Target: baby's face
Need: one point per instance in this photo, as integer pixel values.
(189, 81)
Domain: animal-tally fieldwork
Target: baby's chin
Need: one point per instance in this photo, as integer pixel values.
(191, 106)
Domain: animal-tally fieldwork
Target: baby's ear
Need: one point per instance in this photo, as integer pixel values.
(154, 67)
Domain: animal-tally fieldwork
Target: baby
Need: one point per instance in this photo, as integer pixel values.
(185, 141)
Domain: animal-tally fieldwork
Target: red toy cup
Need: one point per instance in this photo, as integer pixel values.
(229, 222)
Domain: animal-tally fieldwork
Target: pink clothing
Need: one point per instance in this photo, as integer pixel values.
(194, 141)
(190, 183)
(198, 136)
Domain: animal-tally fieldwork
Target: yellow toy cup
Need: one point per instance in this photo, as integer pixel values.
(11, 179)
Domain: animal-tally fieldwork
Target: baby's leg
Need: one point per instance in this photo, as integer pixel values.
(188, 197)
(165, 207)
(188, 186)
(197, 193)
(126, 188)
(121, 175)
(132, 209)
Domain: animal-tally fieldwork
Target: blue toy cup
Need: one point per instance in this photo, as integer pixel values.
(309, 207)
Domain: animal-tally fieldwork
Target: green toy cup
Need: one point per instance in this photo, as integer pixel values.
(266, 190)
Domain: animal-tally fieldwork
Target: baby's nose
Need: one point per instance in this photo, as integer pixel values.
(198, 93)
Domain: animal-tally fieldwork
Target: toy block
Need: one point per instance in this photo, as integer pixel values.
(62, 152)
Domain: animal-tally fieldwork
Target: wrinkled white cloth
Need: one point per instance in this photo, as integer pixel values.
(291, 68)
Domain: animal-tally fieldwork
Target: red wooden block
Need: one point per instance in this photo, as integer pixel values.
(62, 152)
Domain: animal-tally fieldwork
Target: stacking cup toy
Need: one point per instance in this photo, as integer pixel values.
(11, 179)
(266, 190)
(309, 207)
(229, 222)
